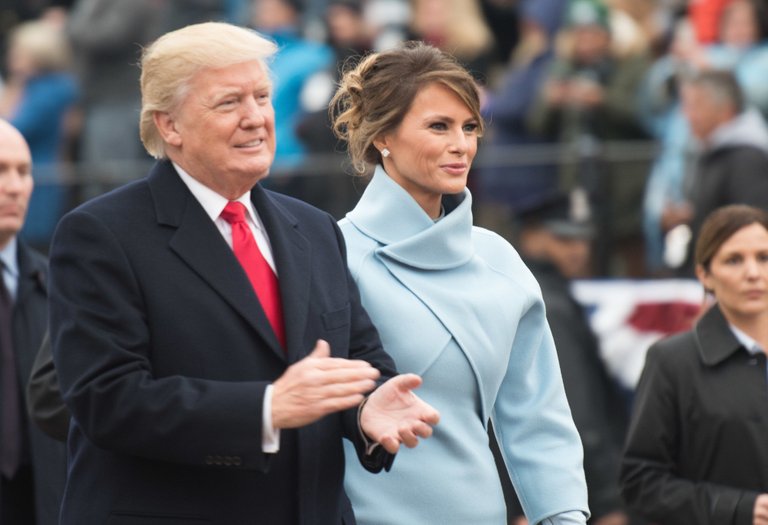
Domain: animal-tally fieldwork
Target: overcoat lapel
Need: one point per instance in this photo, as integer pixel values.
(292, 254)
(27, 324)
(437, 263)
(199, 244)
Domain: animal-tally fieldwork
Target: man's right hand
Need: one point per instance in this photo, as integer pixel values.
(319, 385)
(761, 510)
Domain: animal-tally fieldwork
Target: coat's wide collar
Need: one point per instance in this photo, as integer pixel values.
(389, 215)
(714, 338)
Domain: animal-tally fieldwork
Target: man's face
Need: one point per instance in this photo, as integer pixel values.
(591, 44)
(570, 255)
(703, 112)
(223, 132)
(15, 181)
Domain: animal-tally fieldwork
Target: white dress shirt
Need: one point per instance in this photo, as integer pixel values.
(9, 267)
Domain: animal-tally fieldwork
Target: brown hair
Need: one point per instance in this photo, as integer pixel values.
(720, 225)
(374, 97)
(721, 85)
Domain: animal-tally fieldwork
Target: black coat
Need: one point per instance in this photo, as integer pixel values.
(697, 447)
(30, 319)
(164, 353)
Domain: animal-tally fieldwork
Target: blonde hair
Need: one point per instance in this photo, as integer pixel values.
(169, 64)
(374, 97)
(465, 34)
(44, 43)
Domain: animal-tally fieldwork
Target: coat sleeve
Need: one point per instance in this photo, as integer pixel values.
(103, 349)
(534, 427)
(597, 407)
(650, 482)
(44, 403)
(364, 344)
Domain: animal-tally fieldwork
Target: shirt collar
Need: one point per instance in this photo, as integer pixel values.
(747, 342)
(212, 202)
(9, 259)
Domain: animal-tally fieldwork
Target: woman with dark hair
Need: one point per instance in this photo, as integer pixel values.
(697, 447)
(453, 302)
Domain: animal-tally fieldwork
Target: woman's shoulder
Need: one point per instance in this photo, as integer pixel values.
(359, 245)
(492, 246)
(500, 256)
(674, 351)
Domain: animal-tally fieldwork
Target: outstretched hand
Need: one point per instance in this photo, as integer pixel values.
(393, 414)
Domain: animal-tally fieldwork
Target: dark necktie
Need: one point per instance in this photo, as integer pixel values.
(10, 425)
(263, 279)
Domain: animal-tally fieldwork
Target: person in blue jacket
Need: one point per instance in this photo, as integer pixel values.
(452, 302)
(40, 93)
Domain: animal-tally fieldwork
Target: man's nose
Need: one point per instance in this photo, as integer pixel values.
(253, 113)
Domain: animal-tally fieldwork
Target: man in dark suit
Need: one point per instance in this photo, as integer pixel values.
(197, 394)
(32, 466)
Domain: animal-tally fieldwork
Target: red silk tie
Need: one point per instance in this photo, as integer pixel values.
(263, 279)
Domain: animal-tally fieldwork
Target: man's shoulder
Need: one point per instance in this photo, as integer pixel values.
(112, 202)
(736, 152)
(300, 209)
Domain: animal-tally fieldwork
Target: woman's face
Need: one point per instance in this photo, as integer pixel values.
(432, 149)
(738, 274)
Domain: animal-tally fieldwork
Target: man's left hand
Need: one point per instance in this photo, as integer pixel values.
(393, 414)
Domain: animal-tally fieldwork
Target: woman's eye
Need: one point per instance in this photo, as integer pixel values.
(470, 128)
(439, 126)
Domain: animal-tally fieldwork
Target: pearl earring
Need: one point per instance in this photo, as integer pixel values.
(385, 153)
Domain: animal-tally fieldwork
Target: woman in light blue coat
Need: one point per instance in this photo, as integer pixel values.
(453, 303)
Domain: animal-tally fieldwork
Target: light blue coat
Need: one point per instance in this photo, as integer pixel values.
(456, 305)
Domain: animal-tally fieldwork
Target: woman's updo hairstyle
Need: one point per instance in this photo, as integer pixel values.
(374, 96)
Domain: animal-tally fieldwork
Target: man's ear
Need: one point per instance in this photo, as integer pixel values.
(166, 126)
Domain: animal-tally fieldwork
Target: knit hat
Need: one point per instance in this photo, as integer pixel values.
(587, 13)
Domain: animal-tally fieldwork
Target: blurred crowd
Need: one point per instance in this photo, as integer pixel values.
(582, 97)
